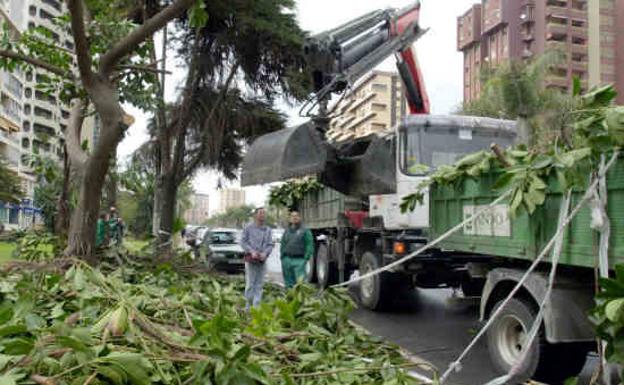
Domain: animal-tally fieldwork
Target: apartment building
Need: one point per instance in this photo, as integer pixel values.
(375, 104)
(199, 212)
(587, 31)
(31, 121)
(231, 197)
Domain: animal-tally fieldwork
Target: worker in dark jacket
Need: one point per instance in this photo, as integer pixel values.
(297, 247)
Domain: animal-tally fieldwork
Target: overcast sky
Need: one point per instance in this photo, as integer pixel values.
(440, 62)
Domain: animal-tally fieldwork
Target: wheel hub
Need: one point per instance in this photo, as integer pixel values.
(322, 269)
(367, 285)
(308, 268)
(511, 338)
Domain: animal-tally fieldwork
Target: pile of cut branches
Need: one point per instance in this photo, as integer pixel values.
(140, 325)
(598, 130)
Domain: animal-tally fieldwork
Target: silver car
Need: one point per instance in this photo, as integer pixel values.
(221, 249)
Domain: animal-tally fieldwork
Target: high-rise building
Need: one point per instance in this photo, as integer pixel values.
(198, 213)
(375, 104)
(231, 197)
(587, 31)
(32, 120)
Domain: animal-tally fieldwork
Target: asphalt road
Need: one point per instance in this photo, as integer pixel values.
(430, 324)
(434, 325)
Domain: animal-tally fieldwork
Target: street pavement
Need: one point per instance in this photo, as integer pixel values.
(429, 324)
(434, 325)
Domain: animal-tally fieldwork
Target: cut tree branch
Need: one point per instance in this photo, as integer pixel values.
(194, 162)
(144, 68)
(83, 53)
(74, 150)
(36, 62)
(140, 34)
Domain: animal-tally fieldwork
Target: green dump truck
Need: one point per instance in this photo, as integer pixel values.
(497, 249)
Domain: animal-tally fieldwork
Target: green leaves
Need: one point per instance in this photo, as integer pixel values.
(198, 16)
(291, 193)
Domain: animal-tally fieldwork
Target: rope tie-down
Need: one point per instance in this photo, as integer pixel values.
(596, 188)
(428, 246)
(556, 240)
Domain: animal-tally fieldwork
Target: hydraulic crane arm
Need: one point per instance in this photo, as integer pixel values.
(338, 58)
(343, 55)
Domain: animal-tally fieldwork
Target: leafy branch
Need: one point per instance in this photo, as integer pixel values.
(292, 192)
(598, 129)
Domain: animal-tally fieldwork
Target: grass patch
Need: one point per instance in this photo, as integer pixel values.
(134, 245)
(6, 251)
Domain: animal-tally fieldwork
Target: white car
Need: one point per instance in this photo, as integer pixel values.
(222, 249)
(277, 235)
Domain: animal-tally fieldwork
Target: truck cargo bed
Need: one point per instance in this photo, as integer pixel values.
(325, 208)
(496, 234)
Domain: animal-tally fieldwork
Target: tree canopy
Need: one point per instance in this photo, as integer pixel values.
(10, 184)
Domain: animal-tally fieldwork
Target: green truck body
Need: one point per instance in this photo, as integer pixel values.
(324, 208)
(523, 237)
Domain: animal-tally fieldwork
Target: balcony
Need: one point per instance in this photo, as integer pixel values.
(554, 45)
(528, 36)
(579, 65)
(557, 81)
(566, 13)
(579, 31)
(579, 48)
(556, 29)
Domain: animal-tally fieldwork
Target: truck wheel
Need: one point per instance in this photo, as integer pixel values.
(326, 272)
(311, 270)
(551, 363)
(373, 290)
(472, 287)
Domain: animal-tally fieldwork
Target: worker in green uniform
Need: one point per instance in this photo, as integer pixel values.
(101, 231)
(297, 247)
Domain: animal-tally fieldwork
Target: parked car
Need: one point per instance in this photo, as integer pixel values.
(277, 234)
(221, 248)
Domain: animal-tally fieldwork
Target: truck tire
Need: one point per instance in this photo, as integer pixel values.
(550, 363)
(472, 287)
(374, 290)
(311, 270)
(326, 271)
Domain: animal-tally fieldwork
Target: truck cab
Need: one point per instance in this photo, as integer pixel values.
(424, 143)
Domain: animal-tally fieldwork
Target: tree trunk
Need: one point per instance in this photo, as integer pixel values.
(524, 131)
(168, 195)
(81, 239)
(93, 168)
(157, 206)
(110, 192)
(61, 222)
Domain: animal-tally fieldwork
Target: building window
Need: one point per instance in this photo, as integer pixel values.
(69, 45)
(32, 11)
(26, 143)
(26, 126)
(379, 87)
(28, 92)
(27, 109)
(46, 15)
(53, 3)
(13, 85)
(43, 113)
(377, 107)
(11, 108)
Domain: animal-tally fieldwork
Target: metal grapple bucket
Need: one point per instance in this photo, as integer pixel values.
(288, 153)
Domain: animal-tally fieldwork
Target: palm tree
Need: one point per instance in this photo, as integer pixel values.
(516, 90)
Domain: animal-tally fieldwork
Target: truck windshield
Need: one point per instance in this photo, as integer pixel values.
(424, 148)
(434, 145)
